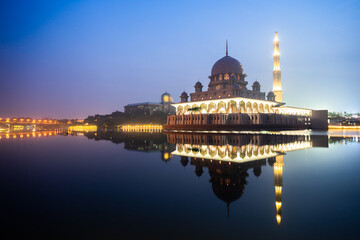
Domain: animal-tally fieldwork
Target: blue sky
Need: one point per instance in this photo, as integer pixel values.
(71, 59)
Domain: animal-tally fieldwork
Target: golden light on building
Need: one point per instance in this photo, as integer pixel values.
(142, 128)
(83, 128)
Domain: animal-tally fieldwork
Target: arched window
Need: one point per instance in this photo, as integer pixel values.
(220, 77)
(226, 77)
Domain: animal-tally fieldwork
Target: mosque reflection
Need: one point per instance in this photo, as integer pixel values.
(228, 158)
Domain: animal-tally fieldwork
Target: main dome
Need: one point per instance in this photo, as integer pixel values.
(227, 64)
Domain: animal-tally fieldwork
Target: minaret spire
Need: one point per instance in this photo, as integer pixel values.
(227, 49)
(277, 73)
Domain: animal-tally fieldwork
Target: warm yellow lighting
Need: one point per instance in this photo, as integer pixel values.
(278, 219)
(276, 39)
(166, 98)
(141, 128)
(166, 156)
(343, 127)
(276, 53)
(278, 205)
(83, 128)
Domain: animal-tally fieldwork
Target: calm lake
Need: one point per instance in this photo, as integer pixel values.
(113, 185)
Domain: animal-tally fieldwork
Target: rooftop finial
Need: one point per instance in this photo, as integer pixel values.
(227, 50)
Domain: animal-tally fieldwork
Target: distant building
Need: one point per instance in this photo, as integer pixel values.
(151, 107)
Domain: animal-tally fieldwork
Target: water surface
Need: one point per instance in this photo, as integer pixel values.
(108, 185)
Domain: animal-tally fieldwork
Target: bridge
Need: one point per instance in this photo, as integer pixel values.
(26, 123)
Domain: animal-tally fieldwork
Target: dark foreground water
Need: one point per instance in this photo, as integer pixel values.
(179, 186)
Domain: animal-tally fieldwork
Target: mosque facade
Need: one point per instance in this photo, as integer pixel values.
(229, 103)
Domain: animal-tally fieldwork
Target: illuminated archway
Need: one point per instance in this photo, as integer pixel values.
(212, 108)
(180, 110)
(261, 108)
(204, 108)
(186, 108)
(242, 107)
(221, 107)
(255, 108)
(267, 110)
(249, 108)
(232, 107)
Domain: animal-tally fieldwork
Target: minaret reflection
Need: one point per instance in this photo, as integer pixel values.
(278, 182)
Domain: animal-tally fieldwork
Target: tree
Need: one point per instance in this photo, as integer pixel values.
(194, 109)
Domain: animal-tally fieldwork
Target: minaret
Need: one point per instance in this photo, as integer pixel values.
(278, 174)
(277, 73)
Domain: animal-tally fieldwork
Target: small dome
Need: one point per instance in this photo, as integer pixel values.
(184, 94)
(166, 97)
(227, 64)
(256, 83)
(198, 85)
(271, 94)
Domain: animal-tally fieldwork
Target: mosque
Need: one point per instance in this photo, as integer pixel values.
(228, 104)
